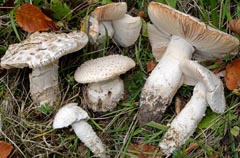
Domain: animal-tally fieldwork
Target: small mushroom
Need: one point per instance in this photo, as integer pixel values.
(41, 51)
(73, 115)
(208, 91)
(110, 21)
(187, 37)
(105, 88)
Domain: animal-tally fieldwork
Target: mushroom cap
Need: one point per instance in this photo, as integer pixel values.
(111, 11)
(209, 42)
(103, 68)
(42, 48)
(68, 115)
(126, 30)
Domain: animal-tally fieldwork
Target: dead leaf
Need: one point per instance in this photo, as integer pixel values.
(234, 25)
(32, 19)
(5, 149)
(232, 77)
(142, 14)
(179, 104)
(151, 65)
(143, 150)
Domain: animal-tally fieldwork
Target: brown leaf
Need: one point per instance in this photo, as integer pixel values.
(151, 65)
(142, 14)
(232, 77)
(31, 19)
(234, 25)
(5, 149)
(142, 150)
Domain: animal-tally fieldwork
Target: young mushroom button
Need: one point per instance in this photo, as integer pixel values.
(182, 37)
(73, 115)
(105, 88)
(41, 51)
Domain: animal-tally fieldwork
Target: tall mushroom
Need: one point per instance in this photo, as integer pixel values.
(41, 51)
(105, 88)
(73, 115)
(208, 91)
(187, 37)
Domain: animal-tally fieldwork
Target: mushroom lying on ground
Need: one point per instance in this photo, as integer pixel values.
(41, 51)
(208, 91)
(73, 115)
(181, 35)
(105, 88)
(111, 20)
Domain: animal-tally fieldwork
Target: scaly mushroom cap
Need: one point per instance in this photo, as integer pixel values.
(127, 30)
(209, 42)
(42, 48)
(103, 68)
(68, 115)
(111, 11)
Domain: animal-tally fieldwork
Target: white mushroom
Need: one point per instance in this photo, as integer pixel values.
(110, 21)
(73, 115)
(186, 36)
(185, 123)
(105, 88)
(41, 51)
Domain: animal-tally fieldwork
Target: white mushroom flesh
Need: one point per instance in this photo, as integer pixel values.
(126, 30)
(104, 96)
(185, 123)
(164, 81)
(105, 31)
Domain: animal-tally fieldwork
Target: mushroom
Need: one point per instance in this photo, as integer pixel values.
(208, 90)
(41, 51)
(186, 35)
(105, 88)
(73, 115)
(110, 21)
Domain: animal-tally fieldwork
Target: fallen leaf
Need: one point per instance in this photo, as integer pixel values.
(234, 25)
(142, 150)
(232, 77)
(179, 104)
(151, 65)
(32, 19)
(142, 14)
(5, 149)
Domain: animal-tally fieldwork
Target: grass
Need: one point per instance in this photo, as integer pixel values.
(31, 133)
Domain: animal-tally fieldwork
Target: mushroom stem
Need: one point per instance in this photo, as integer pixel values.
(161, 85)
(184, 125)
(104, 95)
(87, 135)
(44, 84)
